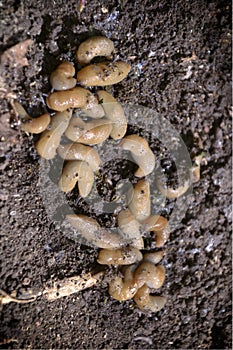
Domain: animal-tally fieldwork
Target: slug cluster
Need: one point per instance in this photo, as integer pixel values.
(139, 274)
(103, 117)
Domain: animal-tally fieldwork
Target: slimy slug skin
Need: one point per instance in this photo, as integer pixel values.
(130, 228)
(50, 139)
(62, 77)
(115, 113)
(36, 125)
(140, 204)
(77, 170)
(122, 256)
(92, 47)
(86, 119)
(89, 133)
(150, 274)
(77, 151)
(90, 229)
(124, 288)
(147, 302)
(160, 226)
(94, 110)
(172, 193)
(136, 281)
(77, 97)
(141, 153)
(154, 257)
(103, 74)
(29, 124)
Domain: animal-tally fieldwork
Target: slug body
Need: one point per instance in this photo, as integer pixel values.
(160, 226)
(50, 139)
(36, 125)
(62, 77)
(141, 153)
(20, 111)
(121, 246)
(89, 133)
(139, 200)
(154, 257)
(114, 112)
(77, 151)
(170, 192)
(94, 233)
(124, 288)
(130, 228)
(92, 47)
(29, 124)
(94, 110)
(121, 256)
(147, 302)
(77, 170)
(150, 274)
(77, 97)
(103, 74)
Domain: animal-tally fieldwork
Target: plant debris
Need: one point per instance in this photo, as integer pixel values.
(59, 289)
(15, 56)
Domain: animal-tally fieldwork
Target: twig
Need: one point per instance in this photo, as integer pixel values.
(70, 286)
(8, 341)
(6, 299)
(59, 289)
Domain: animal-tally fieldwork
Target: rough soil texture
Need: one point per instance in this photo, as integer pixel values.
(180, 53)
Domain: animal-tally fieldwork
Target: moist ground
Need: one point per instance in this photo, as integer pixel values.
(180, 52)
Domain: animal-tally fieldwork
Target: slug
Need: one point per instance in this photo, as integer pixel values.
(77, 97)
(62, 77)
(196, 168)
(103, 74)
(75, 128)
(91, 230)
(130, 228)
(119, 246)
(114, 112)
(124, 288)
(147, 302)
(29, 124)
(122, 256)
(92, 47)
(50, 139)
(170, 192)
(94, 111)
(89, 133)
(77, 151)
(36, 125)
(160, 226)
(141, 153)
(150, 274)
(154, 257)
(77, 170)
(140, 205)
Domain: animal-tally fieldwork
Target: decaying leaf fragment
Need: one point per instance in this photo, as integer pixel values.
(15, 56)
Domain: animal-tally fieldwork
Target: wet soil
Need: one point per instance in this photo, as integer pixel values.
(180, 52)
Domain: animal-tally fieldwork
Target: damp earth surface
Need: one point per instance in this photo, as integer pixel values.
(180, 53)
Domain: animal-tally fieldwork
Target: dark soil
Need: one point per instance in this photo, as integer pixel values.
(157, 38)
